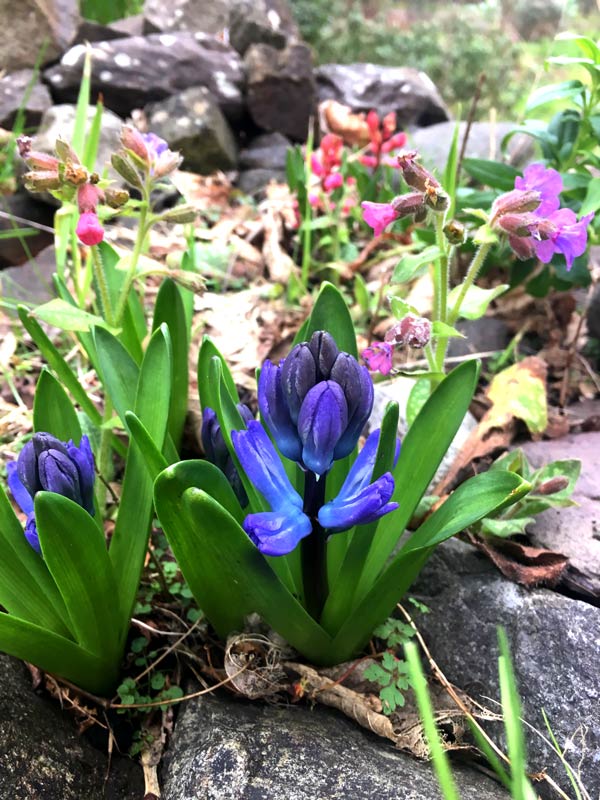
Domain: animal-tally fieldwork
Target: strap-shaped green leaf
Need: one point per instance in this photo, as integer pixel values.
(476, 498)
(130, 537)
(119, 372)
(170, 309)
(57, 655)
(226, 573)
(154, 460)
(53, 412)
(330, 313)
(207, 352)
(423, 448)
(26, 587)
(75, 551)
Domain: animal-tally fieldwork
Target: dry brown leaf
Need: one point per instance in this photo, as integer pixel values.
(528, 566)
(278, 262)
(337, 118)
(203, 191)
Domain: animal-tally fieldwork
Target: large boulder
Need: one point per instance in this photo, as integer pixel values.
(192, 122)
(227, 750)
(262, 161)
(407, 91)
(250, 23)
(136, 70)
(14, 94)
(21, 208)
(42, 756)
(30, 25)
(554, 643)
(281, 88)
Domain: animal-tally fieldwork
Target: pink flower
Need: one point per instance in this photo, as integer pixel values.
(378, 215)
(562, 233)
(333, 181)
(89, 230)
(378, 357)
(545, 181)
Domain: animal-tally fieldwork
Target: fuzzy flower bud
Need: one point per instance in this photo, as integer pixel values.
(125, 168)
(455, 232)
(133, 140)
(42, 180)
(88, 197)
(116, 198)
(415, 175)
(411, 331)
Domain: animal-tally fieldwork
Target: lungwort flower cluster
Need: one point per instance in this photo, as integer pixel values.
(315, 405)
(49, 465)
(535, 223)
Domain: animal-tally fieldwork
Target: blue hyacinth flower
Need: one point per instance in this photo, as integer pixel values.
(275, 532)
(360, 501)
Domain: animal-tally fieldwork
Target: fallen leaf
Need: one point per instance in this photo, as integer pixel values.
(337, 118)
(520, 392)
(528, 566)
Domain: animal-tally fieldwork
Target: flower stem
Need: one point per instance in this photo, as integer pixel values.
(442, 269)
(314, 548)
(472, 273)
(135, 257)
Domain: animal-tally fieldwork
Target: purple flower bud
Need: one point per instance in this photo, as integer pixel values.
(277, 533)
(216, 450)
(275, 412)
(322, 421)
(325, 351)
(298, 375)
(59, 474)
(31, 533)
(359, 393)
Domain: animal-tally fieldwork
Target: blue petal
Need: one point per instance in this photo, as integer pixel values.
(59, 474)
(277, 533)
(323, 419)
(263, 466)
(367, 506)
(275, 412)
(18, 491)
(83, 459)
(357, 418)
(31, 533)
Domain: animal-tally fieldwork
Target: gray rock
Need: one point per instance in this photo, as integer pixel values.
(228, 750)
(281, 88)
(574, 531)
(21, 208)
(137, 70)
(59, 121)
(254, 181)
(186, 15)
(32, 281)
(484, 141)
(249, 23)
(90, 31)
(554, 642)
(43, 758)
(263, 161)
(193, 123)
(31, 23)
(13, 90)
(407, 91)
(482, 335)
(534, 19)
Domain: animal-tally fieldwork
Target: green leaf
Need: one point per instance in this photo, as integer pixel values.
(450, 172)
(170, 309)
(555, 91)
(59, 365)
(130, 538)
(330, 313)
(26, 587)
(511, 712)
(400, 308)
(361, 293)
(419, 394)
(476, 300)
(53, 412)
(439, 328)
(208, 351)
(93, 139)
(227, 574)
(506, 527)
(591, 201)
(63, 315)
(476, 498)
(118, 369)
(423, 448)
(491, 173)
(408, 266)
(75, 551)
(83, 102)
(154, 460)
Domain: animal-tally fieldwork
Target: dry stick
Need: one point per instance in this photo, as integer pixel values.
(168, 650)
(448, 686)
(470, 119)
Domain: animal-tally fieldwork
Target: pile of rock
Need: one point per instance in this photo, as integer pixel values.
(211, 77)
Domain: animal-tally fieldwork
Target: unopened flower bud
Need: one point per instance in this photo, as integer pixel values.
(166, 162)
(42, 180)
(516, 224)
(407, 205)
(515, 202)
(88, 197)
(411, 331)
(24, 145)
(553, 485)
(454, 231)
(116, 198)
(125, 168)
(181, 214)
(436, 198)
(89, 230)
(44, 161)
(65, 152)
(133, 140)
(188, 280)
(415, 174)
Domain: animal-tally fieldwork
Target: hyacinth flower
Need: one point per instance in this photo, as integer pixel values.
(532, 218)
(216, 450)
(383, 141)
(49, 465)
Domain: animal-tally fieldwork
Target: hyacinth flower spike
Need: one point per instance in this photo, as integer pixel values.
(360, 501)
(275, 532)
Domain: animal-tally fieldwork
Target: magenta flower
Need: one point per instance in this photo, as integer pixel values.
(562, 233)
(378, 215)
(545, 181)
(89, 230)
(378, 357)
(333, 181)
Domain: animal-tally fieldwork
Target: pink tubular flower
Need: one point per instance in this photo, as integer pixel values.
(333, 181)
(378, 215)
(547, 182)
(89, 230)
(378, 357)
(383, 140)
(562, 233)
